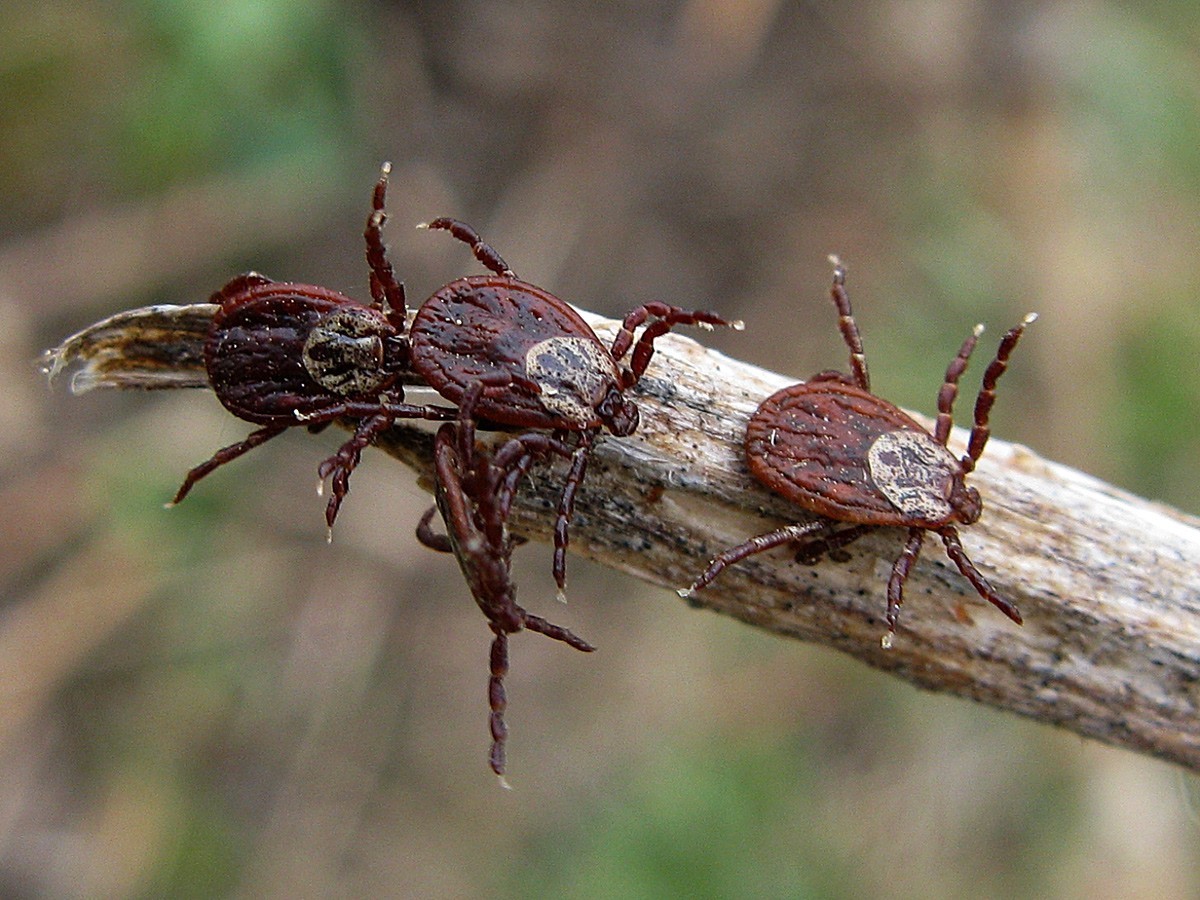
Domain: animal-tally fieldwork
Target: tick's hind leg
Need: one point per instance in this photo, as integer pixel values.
(513, 459)
(224, 455)
(954, 549)
(484, 252)
(498, 700)
(555, 632)
(430, 538)
(758, 544)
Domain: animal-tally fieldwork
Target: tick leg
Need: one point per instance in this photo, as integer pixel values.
(430, 538)
(949, 389)
(498, 700)
(363, 410)
(901, 568)
(987, 392)
(757, 544)
(566, 507)
(811, 552)
(556, 632)
(387, 292)
(342, 463)
(668, 317)
(511, 462)
(483, 251)
(224, 455)
(954, 549)
(849, 327)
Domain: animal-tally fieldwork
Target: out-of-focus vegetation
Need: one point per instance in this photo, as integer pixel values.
(208, 700)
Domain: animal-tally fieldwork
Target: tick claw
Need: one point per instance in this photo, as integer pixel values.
(886, 641)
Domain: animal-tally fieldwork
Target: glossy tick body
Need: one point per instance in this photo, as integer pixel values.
(474, 490)
(280, 354)
(834, 448)
(539, 363)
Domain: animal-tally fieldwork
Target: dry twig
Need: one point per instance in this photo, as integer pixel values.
(1109, 583)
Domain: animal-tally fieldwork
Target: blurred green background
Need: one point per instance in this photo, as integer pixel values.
(209, 701)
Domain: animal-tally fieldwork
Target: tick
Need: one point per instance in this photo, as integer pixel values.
(474, 491)
(280, 354)
(539, 364)
(835, 449)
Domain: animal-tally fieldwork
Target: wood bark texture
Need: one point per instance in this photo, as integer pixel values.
(1108, 583)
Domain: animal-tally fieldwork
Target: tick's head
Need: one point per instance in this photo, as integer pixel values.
(345, 351)
(966, 502)
(618, 413)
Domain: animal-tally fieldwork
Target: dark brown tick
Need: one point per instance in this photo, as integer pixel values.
(280, 354)
(474, 491)
(834, 448)
(539, 363)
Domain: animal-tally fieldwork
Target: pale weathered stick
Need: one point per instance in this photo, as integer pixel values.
(1109, 584)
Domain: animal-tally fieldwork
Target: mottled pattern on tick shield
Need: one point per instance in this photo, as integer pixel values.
(858, 462)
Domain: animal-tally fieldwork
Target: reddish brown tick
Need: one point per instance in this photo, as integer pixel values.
(539, 363)
(474, 494)
(835, 449)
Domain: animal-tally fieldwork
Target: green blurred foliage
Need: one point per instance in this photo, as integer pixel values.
(229, 84)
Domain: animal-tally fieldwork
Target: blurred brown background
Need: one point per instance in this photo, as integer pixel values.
(209, 701)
